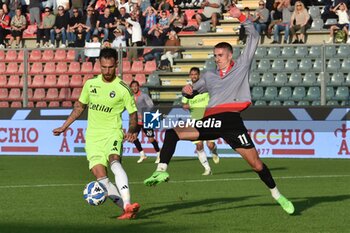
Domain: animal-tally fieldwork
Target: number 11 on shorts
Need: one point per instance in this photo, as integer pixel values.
(243, 139)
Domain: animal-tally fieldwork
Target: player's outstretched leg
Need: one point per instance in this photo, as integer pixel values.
(202, 156)
(213, 152)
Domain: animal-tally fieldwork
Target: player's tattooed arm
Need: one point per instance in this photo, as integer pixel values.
(132, 122)
(75, 114)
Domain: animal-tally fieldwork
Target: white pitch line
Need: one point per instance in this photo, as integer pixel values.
(180, 181)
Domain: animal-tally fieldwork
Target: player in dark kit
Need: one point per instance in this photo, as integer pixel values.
(229, 92)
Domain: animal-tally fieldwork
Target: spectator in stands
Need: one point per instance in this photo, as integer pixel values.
(59, 31)
(276, 17)
(134, 29)
(90, 20)
(104, 23)
(144, 4)
(211, 11)
(119, 41)
(92, 49)
(63, 3)
(77, 4)
(242, 35)
(177, 19)
(45, 27)
(125, 4)
(80, 43)
(328, 10)
(166, 5)
(151, 19)
(34, 11)
(113, 8)
(164, 22)
(13, 6)
(170, 53)
(18, 24)
(100, 6)
(73, 25)
(261, 17)
(301, 18)
(156, 38)
(286, 9)
(343, 22)
(4, 24)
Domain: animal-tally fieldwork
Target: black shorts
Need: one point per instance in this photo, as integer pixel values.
(148, 132)
(231, 129)
(205, 18)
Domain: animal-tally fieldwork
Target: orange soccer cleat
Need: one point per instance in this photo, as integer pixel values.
(130, 211)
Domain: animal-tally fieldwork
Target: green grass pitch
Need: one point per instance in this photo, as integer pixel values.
(44, 194)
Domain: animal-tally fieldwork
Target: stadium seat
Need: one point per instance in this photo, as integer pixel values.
(50, 81)
(61, 68)
(260, 52)
(344, 103)
(3, 81)
(74, 67)
(301, 51)
(317, 24)
(153, 80)
(48, 55)
(38, 81)
(2, 55)
(52, 94)
(264, 65)
(12, 68)
(2, 67)
(189, 14)
(318, 64)
(209, 64)
(49, 68)
(275, 103)
(288, 51)
(150, 66)
(29, 93)
(298, 93)
(137, 67)
(29, 81)
(313, 93)
(127, 78)
(97, 68)
(333, 65)
(87, 77)
(347, 80)
(67, 104)
(257, 93)
(65, 94)
(278, 65)
(330, 21)
(329, 93)
(16, 104)
(37, 68)
(337, 79)
(305, 64)
(54, 104)
(342, 93)
(270, 93)
(332, 103)
(71, 55)
(63, 81)
(126, 66)
(315, 51)
(309, 79)
(41, 104)
(316, 103)
(4, 104)
(260, 103)
(291, 64)
(288, 103)
(87, 67)
(343, 51)
(13, 81)
(20, 57)
(15, 94)
(274, 52)
(314, 12)
(285, 93)
(141, 78)
(267, 79)
(35, 55)
(253, 66)
(331, 51)
(3, 93)
(145, 90)
(254, 78)
(76, 93)
(236, 52)
(345, 65)
(39, 94)
(11, 56)
(76, 81)
(60, 55)
(303, 103)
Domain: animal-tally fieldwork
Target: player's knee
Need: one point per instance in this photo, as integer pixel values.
(257, 165)
(210, 145)
(199, 147)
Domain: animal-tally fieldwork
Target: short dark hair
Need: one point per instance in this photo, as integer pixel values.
(134, 81)
(195, 69)
(108, 53)
(224, 45)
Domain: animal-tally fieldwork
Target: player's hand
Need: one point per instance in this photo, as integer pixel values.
(58, 131)
(188, 90)
(130, 137)
(234, 11)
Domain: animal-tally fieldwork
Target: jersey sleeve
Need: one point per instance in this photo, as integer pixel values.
(200, 85)
(84, 95)
(184, 100)
(129, 101)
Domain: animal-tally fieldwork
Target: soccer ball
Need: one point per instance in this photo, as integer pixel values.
(95, 193)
